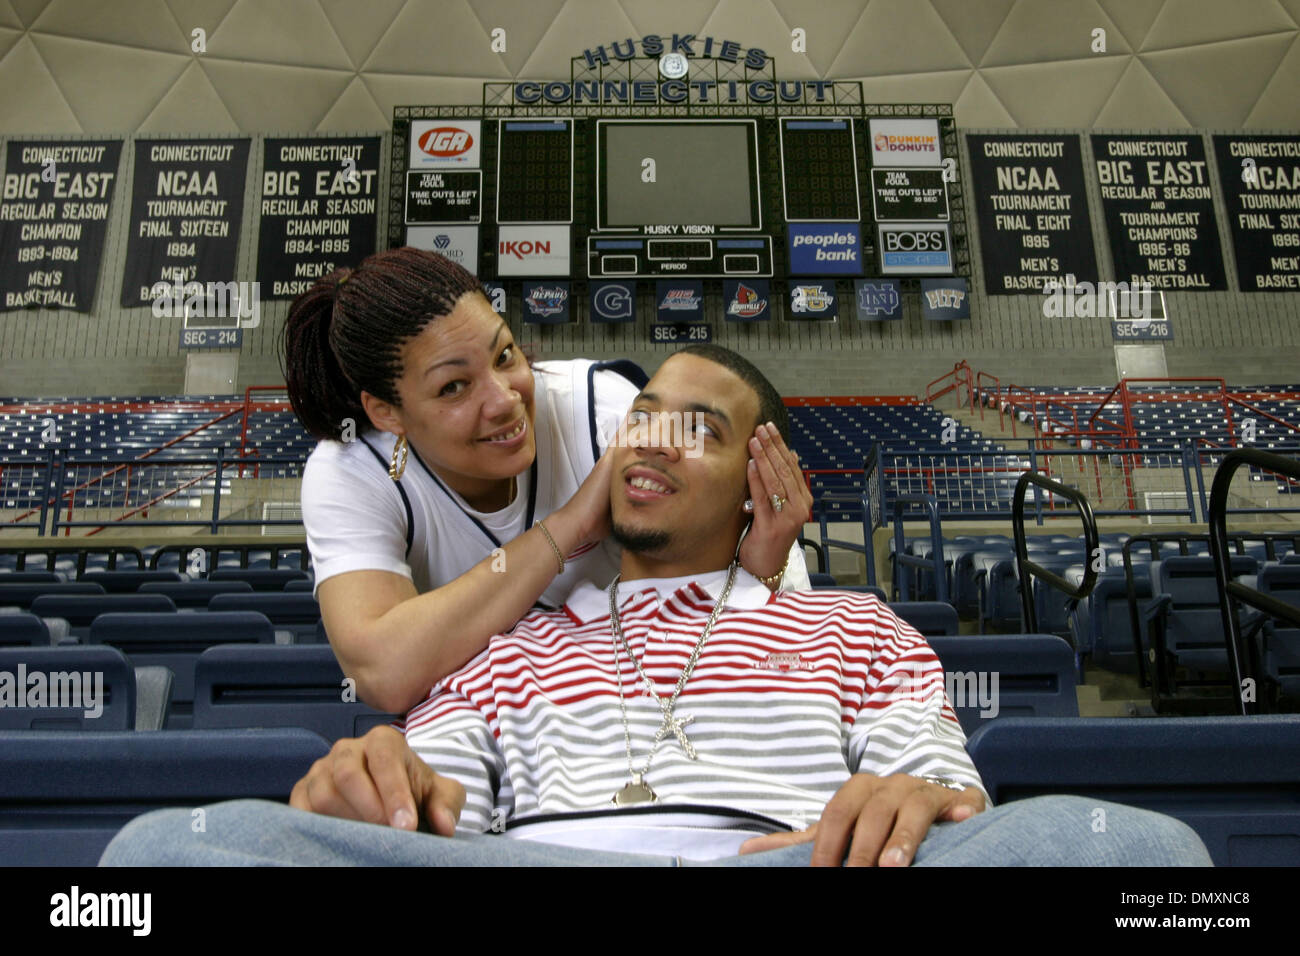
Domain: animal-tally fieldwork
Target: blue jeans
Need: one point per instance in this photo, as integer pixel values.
(1042, 831)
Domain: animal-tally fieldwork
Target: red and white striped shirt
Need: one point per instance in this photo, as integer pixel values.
(791, 695)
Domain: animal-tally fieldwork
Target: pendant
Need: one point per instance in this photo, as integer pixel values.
(635, 792)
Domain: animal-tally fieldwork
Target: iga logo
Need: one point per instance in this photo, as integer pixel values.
(546, 300)
(810, 298)
(446, 141)
(746, 303)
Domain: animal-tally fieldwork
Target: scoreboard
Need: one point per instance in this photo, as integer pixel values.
(730, 185)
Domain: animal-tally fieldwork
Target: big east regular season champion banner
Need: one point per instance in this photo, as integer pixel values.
(53, 219)
(318, 210)
(1159, 211)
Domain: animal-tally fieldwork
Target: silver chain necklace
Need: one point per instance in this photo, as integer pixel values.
(637, 790)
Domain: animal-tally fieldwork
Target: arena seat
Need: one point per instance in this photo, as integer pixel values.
(81, 610)
(25, 630)
(262, 579)
(128, 582)
(22, 595)
(64, 795)
(1183, 614)
(76, 665)
(1101, 624)
(1035, 676)
(1234, 780)
(31, 577)
(931, 618)
(295, 612)
(278, 686)
(195, 595)
(175, 641)
(817, 580)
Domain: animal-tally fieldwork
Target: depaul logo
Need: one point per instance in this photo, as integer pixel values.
(446, 142)
(547, 300)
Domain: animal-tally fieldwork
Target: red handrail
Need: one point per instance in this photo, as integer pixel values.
(960, 375)
(980, 376)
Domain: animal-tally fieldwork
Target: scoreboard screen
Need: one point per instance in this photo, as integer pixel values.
(820, 170)
(666, 172)
(535, 171)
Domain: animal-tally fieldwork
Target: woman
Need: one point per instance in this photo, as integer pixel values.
(442, 452)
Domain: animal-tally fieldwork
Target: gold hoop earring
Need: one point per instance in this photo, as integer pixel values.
(396, 467)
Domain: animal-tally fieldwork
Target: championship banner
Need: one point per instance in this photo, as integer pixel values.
(187, 202)
(1261, 191)
(53, 219)
(1155, 191)
(318, 210)
(1032, 210)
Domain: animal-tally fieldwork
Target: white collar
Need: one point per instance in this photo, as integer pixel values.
(587, 602)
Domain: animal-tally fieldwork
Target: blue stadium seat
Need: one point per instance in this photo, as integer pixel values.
(24, 630)
(262, 579)
(80, 610)
(94, 688)
(22, 595)
(128, 582)
(195, 594)
(1035, 676)
(31, 577)
(305, 584)
(278, 686)
(64, 795)
(931, 618)
(1184, 608)
(818, 580)
(175, 641)
(1279, 646)
(296, 612)
(1234, 780)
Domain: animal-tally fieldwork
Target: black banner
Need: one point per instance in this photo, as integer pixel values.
(909, 194)
(187, 203)
(318, 210)
(53, 219)
(1032, 210)
(1159, 211)
(1261, 191)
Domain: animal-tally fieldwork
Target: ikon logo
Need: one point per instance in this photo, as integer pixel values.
(446, 141)
(526, 247)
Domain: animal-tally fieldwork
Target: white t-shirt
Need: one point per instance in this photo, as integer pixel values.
(356, 518)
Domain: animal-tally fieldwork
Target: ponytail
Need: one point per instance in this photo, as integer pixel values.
(320, 392)
(345, 334)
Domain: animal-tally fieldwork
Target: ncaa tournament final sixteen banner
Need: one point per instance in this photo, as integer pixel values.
(1260, 177)
(187, 204)
(1155, 191)
(53, 219)
(1033, 213)
(318, 209)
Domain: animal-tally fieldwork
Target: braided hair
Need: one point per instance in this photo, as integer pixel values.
(345, 334)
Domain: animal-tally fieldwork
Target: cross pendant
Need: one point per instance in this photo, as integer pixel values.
(675, 727)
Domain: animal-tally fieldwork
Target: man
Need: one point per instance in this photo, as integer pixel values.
(693, 715)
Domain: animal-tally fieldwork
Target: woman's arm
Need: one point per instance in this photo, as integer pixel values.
(396, 644)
